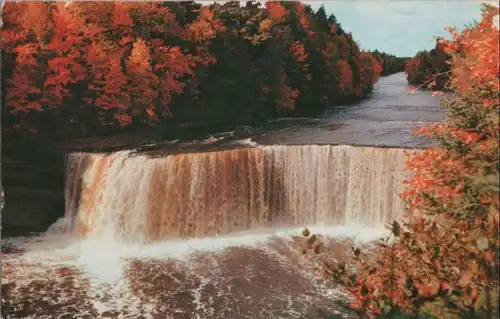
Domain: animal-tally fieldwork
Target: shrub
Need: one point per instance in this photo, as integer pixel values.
(441, 259)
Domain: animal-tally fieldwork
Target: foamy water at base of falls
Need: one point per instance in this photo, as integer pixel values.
(254, 274)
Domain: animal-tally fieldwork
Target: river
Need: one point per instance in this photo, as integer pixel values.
(386, 118)
(164, 232)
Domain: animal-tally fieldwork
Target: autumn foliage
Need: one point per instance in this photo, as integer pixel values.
(430, 69)
(87, 65)
(442, 258)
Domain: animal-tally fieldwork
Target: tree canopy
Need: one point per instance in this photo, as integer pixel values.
(88, 66)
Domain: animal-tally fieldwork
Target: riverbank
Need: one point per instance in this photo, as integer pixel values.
(34, 178)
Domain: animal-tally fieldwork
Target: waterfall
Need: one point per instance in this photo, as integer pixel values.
(141, 197)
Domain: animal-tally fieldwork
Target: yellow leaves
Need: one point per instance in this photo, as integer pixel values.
(139, 61)
(482, 243)
(265, 25)
(205, 27)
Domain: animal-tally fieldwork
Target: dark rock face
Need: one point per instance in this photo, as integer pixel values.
(33, 183)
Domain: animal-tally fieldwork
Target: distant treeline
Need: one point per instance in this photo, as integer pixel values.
(429, 69)
(390, 63)
(85, 67)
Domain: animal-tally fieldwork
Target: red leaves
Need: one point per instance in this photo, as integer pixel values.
(275, 11)
(26, 54)
(121, 16)
(66, 67)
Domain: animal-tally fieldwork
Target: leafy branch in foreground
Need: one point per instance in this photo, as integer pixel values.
(442, 259)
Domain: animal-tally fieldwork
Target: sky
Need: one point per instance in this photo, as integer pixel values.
(400, 27)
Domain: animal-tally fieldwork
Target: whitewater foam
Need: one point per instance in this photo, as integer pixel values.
(105, 262)
(247, 142)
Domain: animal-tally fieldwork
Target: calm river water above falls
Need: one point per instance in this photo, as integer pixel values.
(153, 234)
(386, 118)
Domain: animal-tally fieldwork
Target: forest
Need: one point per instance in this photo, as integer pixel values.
(430, 69)
(86, 68)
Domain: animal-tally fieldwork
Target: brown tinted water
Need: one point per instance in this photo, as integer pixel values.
(208, 229)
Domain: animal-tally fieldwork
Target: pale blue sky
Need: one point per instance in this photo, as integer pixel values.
(400, 27)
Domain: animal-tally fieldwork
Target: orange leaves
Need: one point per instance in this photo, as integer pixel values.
(345, 82)
(478, 44)
(206, 14)
(65, 68)
(206, 26)
(114, 92)
(275, 11)
(265, 25)
(449, 240)
(36, 18)
(369, 69)
(121, 14)
(126, 61)
(202, 30)
(26, 53)
(411, 68)
(27, 26)
(170, 66)
(123, 119)
(442, 187)
(141, 78)
(155, 16)
(299, 7)
(171, 59)
(477, 55)
(298, 51)
(304, 22)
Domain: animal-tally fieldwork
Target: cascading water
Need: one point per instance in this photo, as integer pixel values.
(203, 235)
(146, 198)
